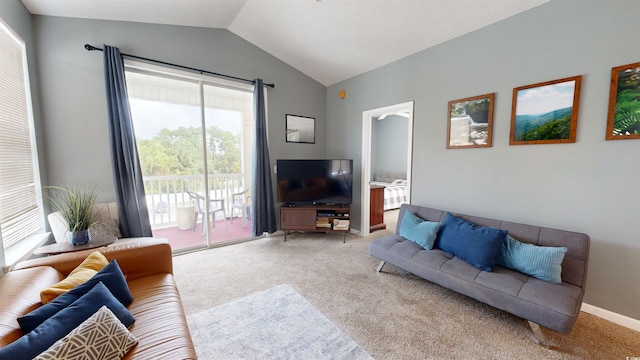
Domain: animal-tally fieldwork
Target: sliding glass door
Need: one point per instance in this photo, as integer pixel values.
(194, 142)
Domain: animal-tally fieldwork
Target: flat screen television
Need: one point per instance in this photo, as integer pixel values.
(319, 182)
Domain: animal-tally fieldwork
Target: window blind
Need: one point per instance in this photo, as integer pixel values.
(20, 213)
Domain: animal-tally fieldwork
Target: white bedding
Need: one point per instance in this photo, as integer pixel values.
(395, 193)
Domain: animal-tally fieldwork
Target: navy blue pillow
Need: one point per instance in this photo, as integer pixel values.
(477, 245)
(111, 276)
(56, 327)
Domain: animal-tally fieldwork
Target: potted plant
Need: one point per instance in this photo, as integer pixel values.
(76, 205)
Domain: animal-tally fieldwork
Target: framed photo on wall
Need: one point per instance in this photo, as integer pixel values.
(470, 122)
(623, 121)
(300, 129)
(546, 113)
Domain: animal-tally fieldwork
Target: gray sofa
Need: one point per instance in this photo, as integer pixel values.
(554, 306)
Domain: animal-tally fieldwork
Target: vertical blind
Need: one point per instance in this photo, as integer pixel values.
(19, 209)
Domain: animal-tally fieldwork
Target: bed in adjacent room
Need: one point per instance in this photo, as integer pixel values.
(395, 191)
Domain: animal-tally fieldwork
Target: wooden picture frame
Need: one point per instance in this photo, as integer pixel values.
(623, 120)
(546, 113)
(470, 122)
(300, 129)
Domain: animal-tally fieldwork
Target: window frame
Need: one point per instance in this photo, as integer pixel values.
(24, 247)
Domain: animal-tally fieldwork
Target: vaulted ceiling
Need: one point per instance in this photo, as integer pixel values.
(329, 40)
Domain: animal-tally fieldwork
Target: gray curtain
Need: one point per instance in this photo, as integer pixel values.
(127, 175)
(263, 214)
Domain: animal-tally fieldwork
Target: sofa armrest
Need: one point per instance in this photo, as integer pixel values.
(136, 259)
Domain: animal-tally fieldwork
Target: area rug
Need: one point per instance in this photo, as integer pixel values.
(277, 323)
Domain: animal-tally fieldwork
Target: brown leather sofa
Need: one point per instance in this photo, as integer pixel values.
(160, 325)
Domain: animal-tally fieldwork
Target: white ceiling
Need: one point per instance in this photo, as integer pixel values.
(329, 40)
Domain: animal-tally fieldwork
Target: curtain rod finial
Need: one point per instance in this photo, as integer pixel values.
(90, 47)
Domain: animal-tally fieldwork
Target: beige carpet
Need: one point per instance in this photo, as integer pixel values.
(391, 315)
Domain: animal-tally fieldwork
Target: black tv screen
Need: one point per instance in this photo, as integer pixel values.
(315, 181)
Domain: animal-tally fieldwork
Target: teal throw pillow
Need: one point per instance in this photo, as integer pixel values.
(542, 262)
(419, 231)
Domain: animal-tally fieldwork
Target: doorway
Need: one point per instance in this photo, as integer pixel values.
(404, 112)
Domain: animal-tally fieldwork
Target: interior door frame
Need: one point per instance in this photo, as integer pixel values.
(367, 121)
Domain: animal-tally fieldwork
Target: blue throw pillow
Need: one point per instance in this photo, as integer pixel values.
(477, 245)
(542, 262)
(419, 231)
(111, 276)
(56, 327)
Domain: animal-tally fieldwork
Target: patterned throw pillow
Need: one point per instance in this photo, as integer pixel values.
(110, 227)
(102, 336)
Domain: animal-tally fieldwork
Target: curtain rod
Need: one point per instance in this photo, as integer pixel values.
(90, 47)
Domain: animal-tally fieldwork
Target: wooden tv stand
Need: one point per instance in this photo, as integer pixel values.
(314, 218)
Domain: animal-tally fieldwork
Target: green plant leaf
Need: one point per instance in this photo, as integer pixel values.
(75, 204)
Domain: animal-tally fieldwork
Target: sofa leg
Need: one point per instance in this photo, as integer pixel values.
(380, 266)
(537, 332)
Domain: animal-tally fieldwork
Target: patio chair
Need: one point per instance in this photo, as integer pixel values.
(241, 201)
(215, 205)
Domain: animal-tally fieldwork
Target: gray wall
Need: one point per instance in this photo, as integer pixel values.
(389, 144)
(590, 186)
(74, 100)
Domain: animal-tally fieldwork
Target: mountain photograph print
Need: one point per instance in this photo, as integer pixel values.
(545, 113)
(623, 121)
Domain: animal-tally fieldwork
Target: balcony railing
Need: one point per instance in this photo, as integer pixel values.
(167, 195)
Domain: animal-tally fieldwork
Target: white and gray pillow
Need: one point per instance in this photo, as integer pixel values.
(101, 336)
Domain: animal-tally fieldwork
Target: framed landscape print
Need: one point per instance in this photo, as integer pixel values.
(470, 122)
(623, 121)
(301, 129)
(545, 113)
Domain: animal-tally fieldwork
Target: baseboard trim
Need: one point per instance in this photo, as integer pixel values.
(616, 318)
